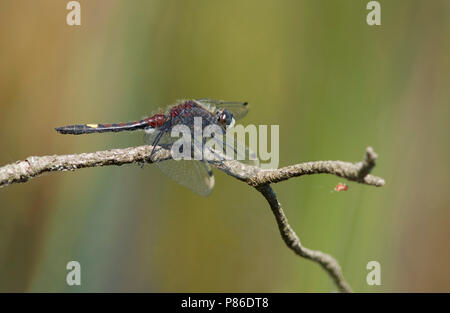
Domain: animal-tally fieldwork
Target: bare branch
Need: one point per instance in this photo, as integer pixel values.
(260, 179)
(22, 171)
(293, 242)
(255, 176)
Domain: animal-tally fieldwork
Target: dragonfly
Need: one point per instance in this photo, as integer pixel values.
(193, 174)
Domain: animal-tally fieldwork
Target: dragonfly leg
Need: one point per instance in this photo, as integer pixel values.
(155, 143)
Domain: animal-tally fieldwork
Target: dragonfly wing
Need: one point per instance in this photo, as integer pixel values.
(195, 175)
(238, 109)
(233, 149)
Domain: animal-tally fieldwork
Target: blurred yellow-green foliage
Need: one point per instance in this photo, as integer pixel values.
(334, 85)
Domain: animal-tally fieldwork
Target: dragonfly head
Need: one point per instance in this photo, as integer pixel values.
(225, 119)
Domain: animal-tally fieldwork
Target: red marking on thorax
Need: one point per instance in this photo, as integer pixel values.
(175, 111)
(156, 120)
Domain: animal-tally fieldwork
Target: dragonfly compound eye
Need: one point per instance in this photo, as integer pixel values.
(229, 120)
(221, 118)
(225, 118)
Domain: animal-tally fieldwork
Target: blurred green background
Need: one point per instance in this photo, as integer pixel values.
(334, 85)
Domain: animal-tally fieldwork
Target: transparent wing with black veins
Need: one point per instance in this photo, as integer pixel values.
(193, 174)
(232, 148)
(238, 109)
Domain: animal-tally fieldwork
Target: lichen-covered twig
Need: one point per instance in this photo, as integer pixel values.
(260, 179)
(22, 171)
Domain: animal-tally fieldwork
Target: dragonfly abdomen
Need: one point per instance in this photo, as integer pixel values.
(101, 128)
